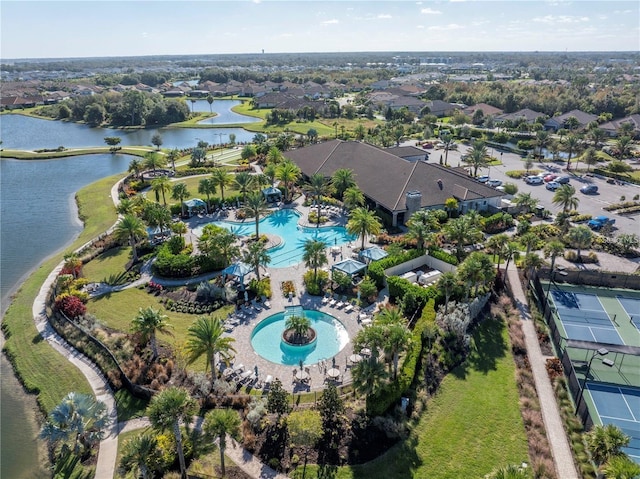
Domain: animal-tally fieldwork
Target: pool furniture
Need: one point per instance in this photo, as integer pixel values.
(349, 308)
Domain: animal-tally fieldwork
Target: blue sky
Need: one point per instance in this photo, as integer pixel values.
(55, 29)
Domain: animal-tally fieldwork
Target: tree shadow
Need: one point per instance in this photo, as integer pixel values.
(487, 346)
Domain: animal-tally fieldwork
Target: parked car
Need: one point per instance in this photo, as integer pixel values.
(600, 221)
(549, 178)
(483, 178)
(533, 180)
(494, 183)
(563, 180)
(427, 146)
(589, 189)
(552, 185)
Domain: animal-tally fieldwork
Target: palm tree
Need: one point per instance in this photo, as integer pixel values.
(421, 225)
(210, 102)
(565, 197)
(255, 207)
(525, 201)
(621, 467)
(125, 207)
(219, 423)
(531, 262)
(180, 193)
(172, 156)
(256, 255)
(205, 337)
(605, 442)
(157, 215)
(511, 251)
(342, 180)
(269, 171)
(580, 237)
(130, 228)
(317, 187)
(179, 228)
(314, 256)
(368, 377)
(78, 422)
(299, 325)
(161, 185)
(352, 198)
(363, 222)
(73, 264)
(476, 270)
(478, 157)
(153, 161)
(623, 146)
(206, 186)
(167, 409)
(244, 182)
(552, 250)
(542, 140)
(221, 178)
(141, 455)
(447, 283)
(461, 231)
(396, 336)
(590, 157)
(571, 142)
(274, 156)
(495, 246)
(597, 136)
(447, 139)
(147, 323)
(135, 166)
(529, 240)
(288, 173)
(219, 245)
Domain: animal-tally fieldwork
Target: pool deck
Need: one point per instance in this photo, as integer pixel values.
(245, 354)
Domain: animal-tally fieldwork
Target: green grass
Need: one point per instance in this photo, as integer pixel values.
(471, 426)
(116, 311)
(110, 263)
(129, 406)
(48, 155)
(41, 369)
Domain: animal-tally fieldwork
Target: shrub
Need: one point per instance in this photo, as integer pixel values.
(70, 306)
(315, 284)
(442, 255)
(376, 268)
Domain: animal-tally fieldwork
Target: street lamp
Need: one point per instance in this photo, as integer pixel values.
(606, 362)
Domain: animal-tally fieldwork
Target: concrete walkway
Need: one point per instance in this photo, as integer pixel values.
(562, 456)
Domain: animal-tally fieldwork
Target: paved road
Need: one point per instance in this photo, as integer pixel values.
(589, 204)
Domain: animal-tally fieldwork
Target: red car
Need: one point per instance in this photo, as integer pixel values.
(549, 178)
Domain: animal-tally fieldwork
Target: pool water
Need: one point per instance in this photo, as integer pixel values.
(266, 339)
(284, 223)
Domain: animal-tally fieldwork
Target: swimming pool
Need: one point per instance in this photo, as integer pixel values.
(266, 339)
(284, 223)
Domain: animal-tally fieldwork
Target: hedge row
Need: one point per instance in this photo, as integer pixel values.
(379, 403)
(442, 255)
(399, 287)
(376, 269)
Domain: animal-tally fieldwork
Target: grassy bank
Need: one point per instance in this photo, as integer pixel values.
(51, 155)
(470, 427)
(40, 368)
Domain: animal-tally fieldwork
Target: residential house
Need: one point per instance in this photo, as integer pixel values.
(526, 115)
(557, 122)
(440, 108)
(397, 186)
(486, 109)
(612, 127)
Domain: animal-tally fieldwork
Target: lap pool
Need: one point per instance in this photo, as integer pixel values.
(284, 223)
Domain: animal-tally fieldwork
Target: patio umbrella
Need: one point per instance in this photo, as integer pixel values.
(373, 253)
(349, 266)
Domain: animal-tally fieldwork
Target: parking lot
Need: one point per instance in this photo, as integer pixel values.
(589, 204)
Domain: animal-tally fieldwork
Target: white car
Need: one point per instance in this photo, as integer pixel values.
(483, 178)
(494, 183)
(533, 180)
(553, 185)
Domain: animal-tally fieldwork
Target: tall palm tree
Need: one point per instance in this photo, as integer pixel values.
(157, 216)
(565, 196)
(476, 270)
(342, 179)
(368, 377)
(571, 142)
(317, 187)
(510, 251)
(525, 201)
(478, 157)
(580, 237)
(495, 246)
(552, 250)
(590, 157)
(172, 156)
(421, 225)
(314, 256)
(397, 336)
(596, 136)
(542, 140)
(219, 244)
(244, 182)
(461, 231)
(363, 222)
(148, 322)
(623, 146)
(135, 167)
(447, 138)
(255, 207)
(166, 410)
(179, 228)
(256, 255)
(532, 262)
(218, 423)
(161, 185)
(153, 161)
(352, 198)
(288, 173)
(205, 337)
(605, 442)
(78, 421)
(141, 455)
(206, 186)
(130, 228)
(529, 240)
(180, 193)
(274, 156)
(221, 178)
(269, 171)
(447, 283)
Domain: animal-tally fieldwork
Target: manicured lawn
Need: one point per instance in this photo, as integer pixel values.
(39, 366)
(30, 155)
(118, 309)
(109, 263)
(470, 427)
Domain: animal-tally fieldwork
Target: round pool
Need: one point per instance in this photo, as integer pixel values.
(266, 339)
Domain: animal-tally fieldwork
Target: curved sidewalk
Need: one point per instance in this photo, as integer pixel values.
(562, 456)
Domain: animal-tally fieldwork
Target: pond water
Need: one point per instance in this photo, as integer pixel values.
(225, 116)
(27, 133)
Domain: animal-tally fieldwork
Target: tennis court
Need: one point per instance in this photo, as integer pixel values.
(583, 317)
(632, 308)
(619, 405)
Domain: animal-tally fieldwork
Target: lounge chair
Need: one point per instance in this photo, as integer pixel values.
(326, 298)
(265, 302)
(333, 301)
(349, 308)
(255, 305)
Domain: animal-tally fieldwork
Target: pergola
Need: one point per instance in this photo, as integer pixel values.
(239, 270)
(195, 204)
(373, 253)
(272, 194)
(349, 266)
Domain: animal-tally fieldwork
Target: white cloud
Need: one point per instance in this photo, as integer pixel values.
(384, 16)
(443, 28)
(285, 35)
(333, 21)
(256, 1)
(420, 26)
(480, 23)
(558, 19)
(418, 3)
(430, 11)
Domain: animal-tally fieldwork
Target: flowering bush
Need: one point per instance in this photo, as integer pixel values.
(71, 306)
(288, 287)
(154, 287)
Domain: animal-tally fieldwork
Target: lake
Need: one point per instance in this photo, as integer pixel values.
(38, 219)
